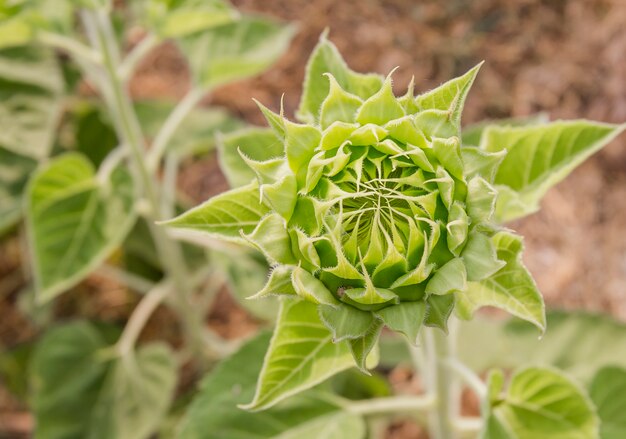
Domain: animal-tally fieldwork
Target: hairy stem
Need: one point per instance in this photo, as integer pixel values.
(101, 35)
(135, 56)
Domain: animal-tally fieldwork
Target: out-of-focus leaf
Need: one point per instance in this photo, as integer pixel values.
(578, 343)
(177, 18)
(214, 413)
(235, 50)
(540, 403)
(21, 20)
(74, 221)
(13, 369)
(608, 392)
(80, 392)
(94, 134)
(30, 91)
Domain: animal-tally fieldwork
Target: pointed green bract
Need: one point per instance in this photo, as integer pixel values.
(511, 288)
(541, 402)
(438, 310)
(326, 59)
(406, 318)
(345, 322)
(301, 355)
(538, 157)
(74, 221)
(449, 97)
(226, 215)
(608, 392)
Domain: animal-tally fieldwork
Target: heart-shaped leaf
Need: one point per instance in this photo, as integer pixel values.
(74, 221)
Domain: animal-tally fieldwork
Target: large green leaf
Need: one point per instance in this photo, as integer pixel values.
(327, 59)
(301, 355)
(226, 215)
(578, 343)
(540, 156)
(511, 288)
(177, 18)
(541, 403)
(258, 144)
(214, 414)
(608, 392)
(235, 50)
(79, 392)
(74, 221)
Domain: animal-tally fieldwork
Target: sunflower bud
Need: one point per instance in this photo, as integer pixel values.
(375, 205)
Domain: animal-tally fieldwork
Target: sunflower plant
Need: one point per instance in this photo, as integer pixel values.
(377, 211)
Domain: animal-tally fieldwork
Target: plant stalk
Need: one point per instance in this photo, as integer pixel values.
(100, 32)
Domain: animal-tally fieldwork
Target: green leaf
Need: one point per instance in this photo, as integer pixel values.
(449, 97)
(405, 317)
(301, 355)
(195, 134)
(541, 403)
(136, 394)
(214, 413)
(608, 392)
(327, 59)
(578, 343)
(178, 18)
(235, 50)
(512, 288)
(258, 144)
(77, 392)
(226, 215)
(539, 157)
(74, 221)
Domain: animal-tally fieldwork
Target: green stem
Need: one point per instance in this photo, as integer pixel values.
(100, 32)
(141, 315)
(440, 381)
(135, 56)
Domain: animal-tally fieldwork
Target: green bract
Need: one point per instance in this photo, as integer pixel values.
(371, 210)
